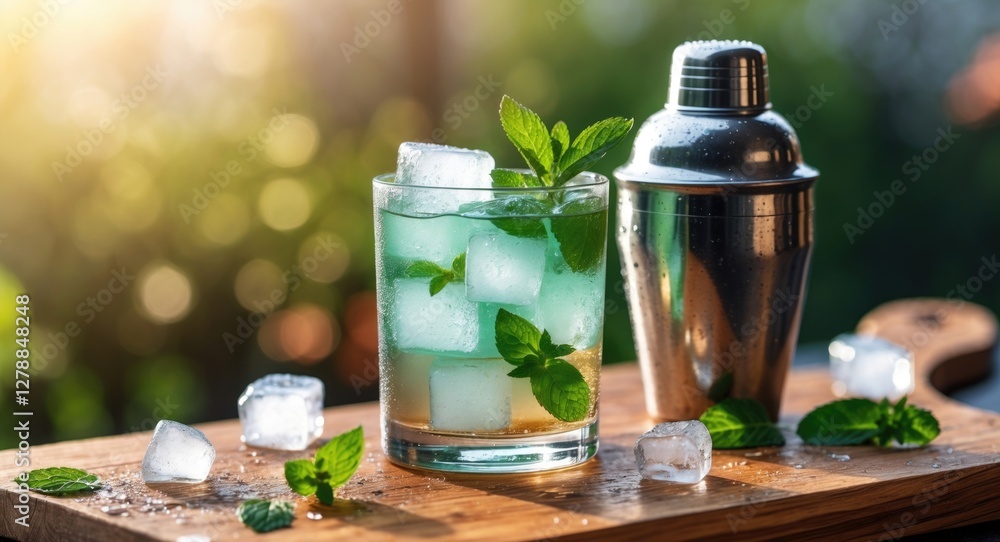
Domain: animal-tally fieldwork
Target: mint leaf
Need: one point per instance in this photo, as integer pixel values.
(512, 211)
(60, 481)
(423, 269)
(556, 384)
(581, 234)
(325, 494)
(528, 134)
(842, 423)
(334, 464)
(440, 277)
(860, 421)
(552, 351)
(340, 458)
(507, 178)
(301, 476)
(516, 337)
(590, 146)
(439, 282)
(916, 426)
(263, 516)
(524, 370)
(560, 141)
(458, 267)
(720, 389)
(740, 423)
(561, 390)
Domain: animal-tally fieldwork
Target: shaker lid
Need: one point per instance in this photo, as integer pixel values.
(717, 127)
(725, 76)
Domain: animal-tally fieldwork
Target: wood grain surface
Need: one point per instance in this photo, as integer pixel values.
(791, 492)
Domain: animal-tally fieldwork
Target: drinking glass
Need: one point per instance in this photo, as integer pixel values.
(449, 261)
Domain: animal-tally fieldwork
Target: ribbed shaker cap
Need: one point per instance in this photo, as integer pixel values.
(719, 76)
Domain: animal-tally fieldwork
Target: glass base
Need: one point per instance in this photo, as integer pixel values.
(532, 453)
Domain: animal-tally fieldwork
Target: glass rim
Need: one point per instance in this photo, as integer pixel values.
(595, 180)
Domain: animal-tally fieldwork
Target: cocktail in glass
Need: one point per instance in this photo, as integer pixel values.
(450, 262)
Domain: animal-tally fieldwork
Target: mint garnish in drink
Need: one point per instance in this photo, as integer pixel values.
(335, 463)
(740, 423)
(554, 159)
(860, 421)
(440, 277)
(264, 516)
(59, 481)
(550, 155)
(557, 385)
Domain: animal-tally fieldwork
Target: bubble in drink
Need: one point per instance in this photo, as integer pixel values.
(679, 452)
(177, 453)
(282, 411)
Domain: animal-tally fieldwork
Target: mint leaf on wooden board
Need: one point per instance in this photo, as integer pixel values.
(916, 427)
(334, 464)
(60, 481)
(740, 423)
(264, 516)
(338, 460)
(301, 476)
(842, 423)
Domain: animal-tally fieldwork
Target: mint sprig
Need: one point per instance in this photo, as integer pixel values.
(334, 464)
(440, 277)
(556, 384)
(264, 516)
(861, 421)
(60, 481)
(552, 157)
(740, 423)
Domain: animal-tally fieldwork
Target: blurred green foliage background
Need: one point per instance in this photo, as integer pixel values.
(186, 197)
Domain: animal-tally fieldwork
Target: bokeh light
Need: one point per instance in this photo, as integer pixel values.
(294, 142)
(259, 281)
(324, 257)
(305, 333)
(225, 220)
(284, 204)
(165, 293)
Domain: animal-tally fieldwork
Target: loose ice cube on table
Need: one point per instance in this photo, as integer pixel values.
(501, 268)
(868, 366)
(177, 453)
(470, 394)
(445, 322)
(431, 165)
(282, 411)
(675, 452)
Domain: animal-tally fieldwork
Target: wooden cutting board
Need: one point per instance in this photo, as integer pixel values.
(792, 492)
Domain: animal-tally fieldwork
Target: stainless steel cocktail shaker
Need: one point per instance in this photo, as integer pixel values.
(715, 230)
